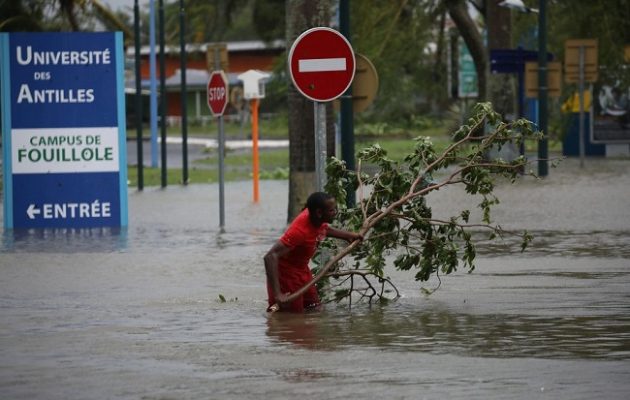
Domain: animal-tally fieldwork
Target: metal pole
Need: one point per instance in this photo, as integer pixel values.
(581, 93)
(521, 106)
(320, 145)
(221, 175)
(254, 103)
(184, 96)
(136, 26)
(543, 154)
(153, 86)
(217, 66)
(162, 93)
(346, 113)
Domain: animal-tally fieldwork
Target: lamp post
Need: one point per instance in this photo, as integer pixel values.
(543, 153)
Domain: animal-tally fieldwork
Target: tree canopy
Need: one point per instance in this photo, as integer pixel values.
(405, 39)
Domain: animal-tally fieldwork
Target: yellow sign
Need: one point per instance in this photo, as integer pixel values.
(572, 48)
(626, 53)
(211, 57)
(364, 85)
(554, 79)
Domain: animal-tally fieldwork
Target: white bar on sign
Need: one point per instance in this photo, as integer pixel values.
(322, 64)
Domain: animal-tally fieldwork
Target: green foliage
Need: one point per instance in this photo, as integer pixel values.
(608, 21)
(395, 218)
(277, 173)
(269, 19)
(393, 36)
(222, 299)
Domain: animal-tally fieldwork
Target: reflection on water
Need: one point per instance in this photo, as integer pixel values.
(64, 240)
(112, 240)
(440, 331)
(587, 244)
(566, 243)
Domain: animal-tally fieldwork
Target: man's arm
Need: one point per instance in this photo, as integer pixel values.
(278, 250)
(344, 235)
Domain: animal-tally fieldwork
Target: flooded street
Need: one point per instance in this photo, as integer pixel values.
(135, 314)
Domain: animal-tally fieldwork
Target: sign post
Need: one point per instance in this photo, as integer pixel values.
(63, 130)
(254, 90)
(581, 65)
(322, 67)
(554, 79)
(217, 102)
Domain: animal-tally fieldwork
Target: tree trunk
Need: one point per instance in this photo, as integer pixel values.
(500, 86)
(300, 16)
(458, 11)
(439, 68)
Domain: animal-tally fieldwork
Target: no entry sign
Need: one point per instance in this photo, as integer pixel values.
(217, 93)
(321, 64)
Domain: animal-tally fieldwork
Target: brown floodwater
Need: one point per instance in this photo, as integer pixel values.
(136, 314)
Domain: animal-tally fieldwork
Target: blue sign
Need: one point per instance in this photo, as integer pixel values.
(512, 61)
(63, 129)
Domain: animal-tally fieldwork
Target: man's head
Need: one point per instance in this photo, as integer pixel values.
(322, 207)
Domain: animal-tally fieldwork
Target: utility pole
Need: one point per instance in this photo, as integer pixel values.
(543, 154)
(346, 112)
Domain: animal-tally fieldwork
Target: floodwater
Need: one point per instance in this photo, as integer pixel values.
(135, 314)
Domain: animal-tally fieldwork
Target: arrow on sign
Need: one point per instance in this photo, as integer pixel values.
(32, 211)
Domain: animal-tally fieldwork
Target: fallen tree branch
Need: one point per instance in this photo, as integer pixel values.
(398, 196)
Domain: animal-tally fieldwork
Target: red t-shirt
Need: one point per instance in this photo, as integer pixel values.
(293, 271)
(302, 237)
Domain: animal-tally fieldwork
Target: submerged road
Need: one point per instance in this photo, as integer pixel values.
(137, 313)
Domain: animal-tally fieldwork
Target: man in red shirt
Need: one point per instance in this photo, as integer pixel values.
(286, 263)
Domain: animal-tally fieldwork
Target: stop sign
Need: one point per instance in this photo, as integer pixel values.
(217, 93)
(321, 64)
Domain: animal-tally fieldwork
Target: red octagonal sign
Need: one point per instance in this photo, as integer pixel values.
(217, 93)
(321, 64)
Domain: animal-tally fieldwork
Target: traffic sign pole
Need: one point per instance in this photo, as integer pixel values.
(217, 65)
(217, 102)
(254, 90)
(322, 67)
(320, 145)
(221, 175)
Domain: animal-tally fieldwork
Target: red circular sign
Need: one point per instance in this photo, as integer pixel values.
(321, 64)
(217, 93)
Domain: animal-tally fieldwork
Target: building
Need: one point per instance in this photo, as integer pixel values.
(241, 56)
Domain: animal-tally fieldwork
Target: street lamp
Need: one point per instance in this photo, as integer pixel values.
(517, 5)
(543, 154)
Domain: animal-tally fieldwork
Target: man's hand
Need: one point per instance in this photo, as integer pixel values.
(356, 236)
(344, 235)
(282, 298)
